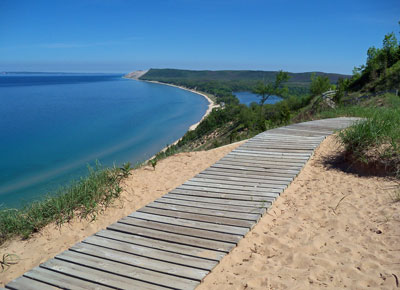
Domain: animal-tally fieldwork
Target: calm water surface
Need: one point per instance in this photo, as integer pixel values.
(247, 98)
(53, 126)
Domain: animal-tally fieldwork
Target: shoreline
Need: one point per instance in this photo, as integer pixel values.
(211, 106)
(211, 103)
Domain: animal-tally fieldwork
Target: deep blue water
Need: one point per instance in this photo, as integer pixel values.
(247, 98)
(52, 126)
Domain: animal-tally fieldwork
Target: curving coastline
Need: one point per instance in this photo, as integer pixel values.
(211, 104)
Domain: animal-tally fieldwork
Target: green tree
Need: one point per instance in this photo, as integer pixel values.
(319, 84)
(264, 91)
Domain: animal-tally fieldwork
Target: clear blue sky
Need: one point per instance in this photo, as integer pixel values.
(126, 35)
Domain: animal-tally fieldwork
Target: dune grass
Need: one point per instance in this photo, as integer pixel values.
(83, 199)
(376, 140)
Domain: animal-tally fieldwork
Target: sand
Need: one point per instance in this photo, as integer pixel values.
(329, 229)
(141, 188)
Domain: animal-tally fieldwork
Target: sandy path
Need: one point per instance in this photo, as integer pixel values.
(142, 187)
(311, 238)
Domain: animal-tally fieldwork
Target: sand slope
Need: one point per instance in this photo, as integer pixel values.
(329, 229)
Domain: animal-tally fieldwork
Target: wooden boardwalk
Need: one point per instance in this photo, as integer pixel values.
(175, 241)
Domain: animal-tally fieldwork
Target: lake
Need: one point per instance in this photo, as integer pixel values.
(52, 126)
(247, 98)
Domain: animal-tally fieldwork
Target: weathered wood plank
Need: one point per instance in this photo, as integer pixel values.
(151, 243)
(262, 197)
(123, 270)
(260, 164)
(276, 150)
(155, 224)
(274, 156)
(87, 277)
(205, 211)
(249, 183)
(283, 172)
(244, 203)
(243, 174)
(206, 205)
(146, 265)
(270, 152)
(267, 182)
(232, 230)
(124, 247)
(173, 238)
(198, 217)
(226, 188)
(25, 283)
(264, 146)
(253, 159)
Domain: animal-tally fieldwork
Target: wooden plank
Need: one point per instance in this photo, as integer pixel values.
(264, 197)
(124, 247)
(250, 146)
(232, 230)
(173, 238)
(244, 203)
(316, 132)
(205, 205)
(205, 211)
(282, 172)
(241, 180)
(269, 156)
(250, 183)
(146, 265)
(197, 217)
(155, 224)
(63, 280)
(276, 150)
(270, 152)
(226, 188)
(260, 164)
(25, 283)
(297, 141)
(232, 174)
(267, 160)
(120, 270)
(133, 239)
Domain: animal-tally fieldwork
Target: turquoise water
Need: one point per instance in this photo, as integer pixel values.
(247, 98)
(53, 126)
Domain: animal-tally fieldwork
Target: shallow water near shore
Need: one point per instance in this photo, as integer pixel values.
(53, 126)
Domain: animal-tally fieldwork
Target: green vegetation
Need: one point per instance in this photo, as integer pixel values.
(319, 85)
(82, 199)
(273, 88)
(382, 69)
(221, 84)
(376, 140)
(153, 163)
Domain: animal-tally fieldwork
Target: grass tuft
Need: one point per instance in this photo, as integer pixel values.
(83, 199)
(376, 140)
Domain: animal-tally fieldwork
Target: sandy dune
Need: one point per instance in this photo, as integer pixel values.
(329, 229)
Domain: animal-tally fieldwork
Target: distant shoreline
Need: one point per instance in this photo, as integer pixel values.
(211, 106)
